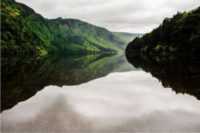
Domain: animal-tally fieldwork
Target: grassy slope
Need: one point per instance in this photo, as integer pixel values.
(26, 32)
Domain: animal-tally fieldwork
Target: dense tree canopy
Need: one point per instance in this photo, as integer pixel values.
(177, 35)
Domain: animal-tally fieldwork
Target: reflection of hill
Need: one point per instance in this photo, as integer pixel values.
(22, 78)
(181, 74)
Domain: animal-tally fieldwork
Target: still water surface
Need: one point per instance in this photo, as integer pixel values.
(93, 93)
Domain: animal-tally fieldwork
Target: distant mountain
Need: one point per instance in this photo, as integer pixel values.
(26, 32)
(126, 37)
(178, 35)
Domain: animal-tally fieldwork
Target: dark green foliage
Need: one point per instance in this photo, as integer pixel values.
(26, 32)
(177, 35)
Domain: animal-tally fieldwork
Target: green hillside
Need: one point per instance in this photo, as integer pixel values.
(26, 32)
(178, 35)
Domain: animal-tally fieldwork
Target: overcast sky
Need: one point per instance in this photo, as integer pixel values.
(136, 16)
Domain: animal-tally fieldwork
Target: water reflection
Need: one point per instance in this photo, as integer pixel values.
(181, 73)
(130, 101)
(23, 77)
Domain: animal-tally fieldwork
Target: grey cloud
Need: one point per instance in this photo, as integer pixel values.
(139, 15)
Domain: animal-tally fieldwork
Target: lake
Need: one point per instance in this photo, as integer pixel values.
(99, 93)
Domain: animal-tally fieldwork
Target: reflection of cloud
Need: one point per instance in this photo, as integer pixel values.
(58, 117)
(132, 15)
(162, 122)
(127, 101)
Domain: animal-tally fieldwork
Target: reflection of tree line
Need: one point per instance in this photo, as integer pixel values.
(23, 77)
(182, 74)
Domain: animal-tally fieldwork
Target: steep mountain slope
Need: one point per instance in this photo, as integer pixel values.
(26, 32)
(177, 35)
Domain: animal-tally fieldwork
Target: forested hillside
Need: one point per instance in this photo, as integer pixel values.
(26, 32)
(177, 35)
